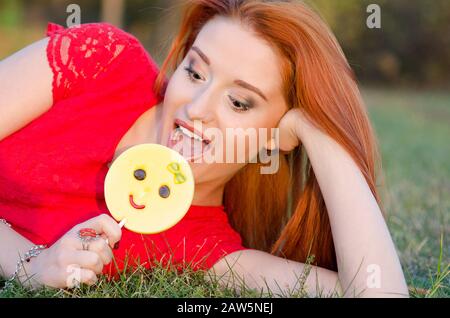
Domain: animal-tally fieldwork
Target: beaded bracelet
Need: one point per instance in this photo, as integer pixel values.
(32, 252)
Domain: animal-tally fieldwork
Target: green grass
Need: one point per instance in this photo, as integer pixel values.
(140, 282)
(413, 129)
(161, 281)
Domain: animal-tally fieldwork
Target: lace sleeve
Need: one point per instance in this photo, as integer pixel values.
(80, 55)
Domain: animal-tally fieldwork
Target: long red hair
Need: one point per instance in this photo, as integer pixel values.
(285, 213)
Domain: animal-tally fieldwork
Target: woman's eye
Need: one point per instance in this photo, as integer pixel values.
(239, 106)
(192, 75)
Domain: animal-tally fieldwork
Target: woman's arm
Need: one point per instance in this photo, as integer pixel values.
(25, 87)
(25, 94)
(12, 247)
(274, 275)
(366, 257)
(367, 261)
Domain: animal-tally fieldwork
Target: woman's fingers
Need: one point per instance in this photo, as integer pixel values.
(102, 249)
(88, 277)
(104, 224)
(79, 276)
(84, 266)
(81, 259)
(87, 260)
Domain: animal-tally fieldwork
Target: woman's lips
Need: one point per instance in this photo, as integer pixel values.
(182, 123)
(134, 205)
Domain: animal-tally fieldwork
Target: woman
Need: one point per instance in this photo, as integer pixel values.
(237, 64)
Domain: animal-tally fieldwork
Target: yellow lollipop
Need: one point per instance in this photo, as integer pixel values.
(149, 187)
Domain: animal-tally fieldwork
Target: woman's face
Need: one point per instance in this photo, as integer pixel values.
(228, 83)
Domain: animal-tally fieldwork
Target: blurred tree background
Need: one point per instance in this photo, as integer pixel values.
(412, 47)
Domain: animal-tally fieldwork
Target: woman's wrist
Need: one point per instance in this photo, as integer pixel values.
(25, 270)
(305, 129)
(320, 147)
(27, 274)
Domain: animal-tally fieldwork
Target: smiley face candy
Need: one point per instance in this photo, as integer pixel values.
(151, 186)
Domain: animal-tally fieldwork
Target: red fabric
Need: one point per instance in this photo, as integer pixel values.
(52, 171)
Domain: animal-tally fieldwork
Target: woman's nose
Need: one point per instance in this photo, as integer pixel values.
(201, 108)
(198, 112)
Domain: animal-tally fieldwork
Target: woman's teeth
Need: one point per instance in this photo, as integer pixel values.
(190, 134)
(187, 143)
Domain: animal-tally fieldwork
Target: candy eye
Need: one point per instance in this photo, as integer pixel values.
(164, 191)
(139, 174)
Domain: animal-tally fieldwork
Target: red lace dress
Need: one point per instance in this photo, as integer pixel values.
(52, 171)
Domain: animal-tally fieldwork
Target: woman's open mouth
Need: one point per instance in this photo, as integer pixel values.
(134, 205)
(189, 143)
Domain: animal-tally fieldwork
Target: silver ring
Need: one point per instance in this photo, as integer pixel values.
(85, 245)
(87, 235)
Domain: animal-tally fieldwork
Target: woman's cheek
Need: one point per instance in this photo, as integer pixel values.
(178, 89)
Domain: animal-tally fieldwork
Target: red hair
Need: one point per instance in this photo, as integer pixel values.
(285, 213)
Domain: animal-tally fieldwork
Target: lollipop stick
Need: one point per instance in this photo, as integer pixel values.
(121, 224)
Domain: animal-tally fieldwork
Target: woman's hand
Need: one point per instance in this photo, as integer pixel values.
(291, 127)
(66, 264)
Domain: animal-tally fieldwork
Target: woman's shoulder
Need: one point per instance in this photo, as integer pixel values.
(80, 56)
(97, 36)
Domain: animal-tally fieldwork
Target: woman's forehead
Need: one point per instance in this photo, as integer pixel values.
(233, 50)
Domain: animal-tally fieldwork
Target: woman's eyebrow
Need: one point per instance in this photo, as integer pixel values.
(237, 82)
(250, 87)
(202, 55)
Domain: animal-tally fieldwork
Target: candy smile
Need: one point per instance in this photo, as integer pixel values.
(134, 205)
